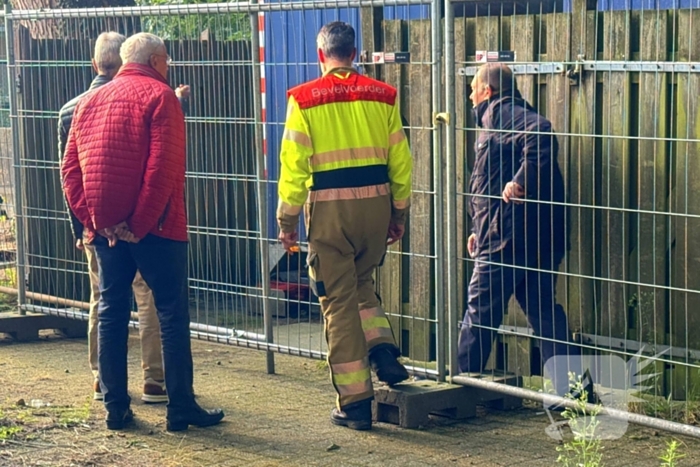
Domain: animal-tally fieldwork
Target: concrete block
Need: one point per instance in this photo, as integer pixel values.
(410, 405)
(24, 328)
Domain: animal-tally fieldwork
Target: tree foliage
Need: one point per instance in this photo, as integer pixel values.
(231, 27)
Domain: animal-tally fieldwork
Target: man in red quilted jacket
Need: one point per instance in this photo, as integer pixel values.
(124, 178)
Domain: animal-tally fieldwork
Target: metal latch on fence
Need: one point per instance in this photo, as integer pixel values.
(545, 68)
(663, 67)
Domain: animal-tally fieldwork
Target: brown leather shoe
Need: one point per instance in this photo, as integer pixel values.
(154, 393)
(97, 391)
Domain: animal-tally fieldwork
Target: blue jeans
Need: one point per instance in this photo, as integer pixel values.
(163, 265)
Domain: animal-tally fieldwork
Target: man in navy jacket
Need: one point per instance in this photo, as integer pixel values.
(519, 236)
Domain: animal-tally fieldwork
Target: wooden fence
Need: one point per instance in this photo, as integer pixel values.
(630, 154)
(220, 160)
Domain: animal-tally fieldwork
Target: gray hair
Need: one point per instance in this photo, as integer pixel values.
(498, 76)
(139, 48)
(337, 40)
(107, 52)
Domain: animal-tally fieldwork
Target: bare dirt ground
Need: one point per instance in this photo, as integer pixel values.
(271, 420)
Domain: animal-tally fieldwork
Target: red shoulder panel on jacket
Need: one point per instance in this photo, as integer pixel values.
(342, 87)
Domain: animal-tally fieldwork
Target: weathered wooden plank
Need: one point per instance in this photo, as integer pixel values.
(615, 177)
(463, 42)
(583, 176)
(468, 138)
(371, 20)
(488, 30)
(421, 231)
(686, 255)
(650, 256)
(558, 107)
(389, 277)
(522, 40)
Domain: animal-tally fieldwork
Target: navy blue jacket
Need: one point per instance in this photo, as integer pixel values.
(517, 144)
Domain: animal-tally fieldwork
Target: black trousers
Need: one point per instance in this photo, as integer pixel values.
(496, 277)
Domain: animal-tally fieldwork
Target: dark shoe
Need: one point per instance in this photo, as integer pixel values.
(154, 392)
(119, 420)
(97, 391)
(591, 396)
(181, 420)
(387, 367)
(357, 416)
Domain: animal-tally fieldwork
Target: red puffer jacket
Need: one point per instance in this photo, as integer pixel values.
(125, 159)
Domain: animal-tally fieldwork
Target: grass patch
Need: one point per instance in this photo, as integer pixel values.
(33, 419)
(687, 412)
(8, 277)
(7, 303)
(8, 432)
(72, 416)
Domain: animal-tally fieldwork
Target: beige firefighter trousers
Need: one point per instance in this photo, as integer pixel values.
(149, 326)
(347, 241)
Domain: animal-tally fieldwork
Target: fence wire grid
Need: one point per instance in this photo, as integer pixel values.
(619, 80)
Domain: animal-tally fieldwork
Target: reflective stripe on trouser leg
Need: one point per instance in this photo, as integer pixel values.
(376, 327)
(347, 349)
(352, 378)
(375, 324)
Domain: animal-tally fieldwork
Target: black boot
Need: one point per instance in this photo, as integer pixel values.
(119, 419)
(357, 416)
(385, 364)
(591, 396)
(178, 420)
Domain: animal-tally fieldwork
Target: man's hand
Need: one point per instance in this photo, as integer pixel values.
(182, 91)
(471, 245)
(123, 233)
(289, 240)
(514, 192)
(118, 232)
(79, 244)
(395, 233)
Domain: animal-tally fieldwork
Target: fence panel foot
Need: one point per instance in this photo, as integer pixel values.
(24, 328)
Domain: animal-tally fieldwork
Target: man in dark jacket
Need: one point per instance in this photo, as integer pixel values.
(518, 239)
(124, 178)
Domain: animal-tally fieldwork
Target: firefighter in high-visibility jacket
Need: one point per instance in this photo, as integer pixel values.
(345, 158)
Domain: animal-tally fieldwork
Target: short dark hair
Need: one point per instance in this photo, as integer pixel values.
(337, 40)
(498, 76)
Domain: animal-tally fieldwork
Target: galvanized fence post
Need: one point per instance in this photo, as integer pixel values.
(453, 310)
(261, 183)
(16, 161)
(439, 200)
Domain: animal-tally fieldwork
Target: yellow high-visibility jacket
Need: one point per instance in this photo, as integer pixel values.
(343, 139)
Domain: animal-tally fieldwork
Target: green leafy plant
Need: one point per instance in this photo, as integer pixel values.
(584, 449)
(671, 456)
